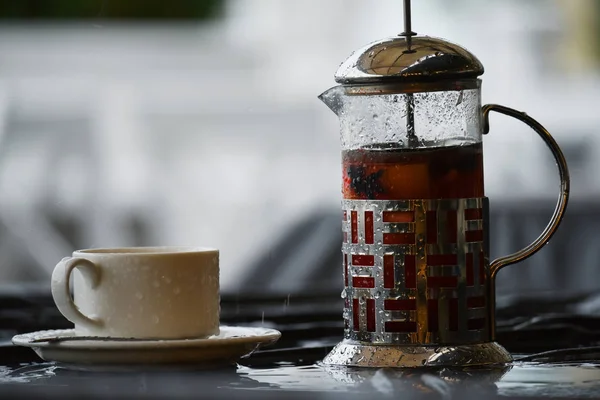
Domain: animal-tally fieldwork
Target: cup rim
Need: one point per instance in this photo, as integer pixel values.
(145, 250)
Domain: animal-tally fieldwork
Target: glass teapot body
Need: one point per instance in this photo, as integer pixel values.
(406, 146)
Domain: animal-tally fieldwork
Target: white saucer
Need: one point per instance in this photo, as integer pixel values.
(231, 344)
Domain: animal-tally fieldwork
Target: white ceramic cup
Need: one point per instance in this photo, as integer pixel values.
(140, 292)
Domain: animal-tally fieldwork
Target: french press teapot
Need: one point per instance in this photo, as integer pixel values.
(419, 285)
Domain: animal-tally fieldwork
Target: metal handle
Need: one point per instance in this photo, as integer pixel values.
(565, 183)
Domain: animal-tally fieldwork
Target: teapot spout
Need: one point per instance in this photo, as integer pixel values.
(334, 99)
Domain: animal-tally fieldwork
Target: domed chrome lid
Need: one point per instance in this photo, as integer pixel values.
(408, 59)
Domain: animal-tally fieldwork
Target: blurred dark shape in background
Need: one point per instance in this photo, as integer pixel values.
(133, 10)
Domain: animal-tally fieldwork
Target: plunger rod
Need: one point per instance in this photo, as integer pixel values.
(413, 141)
(408, 33)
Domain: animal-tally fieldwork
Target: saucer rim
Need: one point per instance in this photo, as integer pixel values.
(248, 335)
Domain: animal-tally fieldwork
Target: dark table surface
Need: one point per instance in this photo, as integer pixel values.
(554, 340)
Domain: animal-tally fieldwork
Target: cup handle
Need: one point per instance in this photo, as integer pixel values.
(61, 277)
(563, 198)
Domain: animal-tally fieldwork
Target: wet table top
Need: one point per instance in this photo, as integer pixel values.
(521, 380)
(311, 326)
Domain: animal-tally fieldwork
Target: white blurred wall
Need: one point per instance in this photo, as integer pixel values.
(214, 135)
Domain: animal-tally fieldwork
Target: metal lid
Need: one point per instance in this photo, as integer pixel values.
(408, 59)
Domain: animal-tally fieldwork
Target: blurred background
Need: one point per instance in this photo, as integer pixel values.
(196, 122)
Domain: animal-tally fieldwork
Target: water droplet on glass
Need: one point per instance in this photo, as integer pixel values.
(156, 284)
(344, 294)
(139, 295)
(176, 290)
(155, 319)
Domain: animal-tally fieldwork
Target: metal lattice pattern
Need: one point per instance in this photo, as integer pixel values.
(416, 271)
